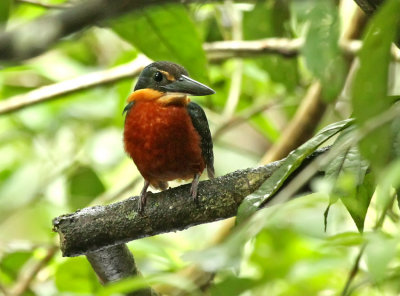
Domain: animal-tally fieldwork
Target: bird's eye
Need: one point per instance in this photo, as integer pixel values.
(158, 76)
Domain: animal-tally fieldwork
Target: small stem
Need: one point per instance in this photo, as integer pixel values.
(44, 5)
(346, 290)
(236, 78)
(25, 279)
(240, 118)
(353, 271)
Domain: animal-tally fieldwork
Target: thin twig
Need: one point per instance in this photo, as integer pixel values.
(354, 271)
(3, 290)
(56, 90)
(25, 279)
(129, 70)
(109, 196)
(379, 223)
(240, 118)
(237, 73)
(221, 50)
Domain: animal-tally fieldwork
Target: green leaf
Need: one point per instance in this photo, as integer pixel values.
(165, 33)
(272, 19)
(233, 286)
(252, 202)
(347, 172)
(369, 96)
(11, 263)
(347, 239)
(358, 199)
(76, 275)
(84, 186)
(5, 9)
(321, 50)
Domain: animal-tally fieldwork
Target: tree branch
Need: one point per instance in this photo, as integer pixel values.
(32, 39)
(99, 227)
(217, 50)
(37, 36)
(53, 91)
(115, 263)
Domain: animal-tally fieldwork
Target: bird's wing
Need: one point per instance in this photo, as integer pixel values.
(200, 123)
(128, 107)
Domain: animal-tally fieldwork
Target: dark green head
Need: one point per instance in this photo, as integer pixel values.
(170, 77)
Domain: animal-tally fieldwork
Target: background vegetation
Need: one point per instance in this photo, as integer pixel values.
(272, 95)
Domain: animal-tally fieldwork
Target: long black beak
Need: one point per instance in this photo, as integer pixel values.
(188, 86)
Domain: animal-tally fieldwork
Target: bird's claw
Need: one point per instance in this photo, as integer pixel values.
(193, 188)
(141, 202)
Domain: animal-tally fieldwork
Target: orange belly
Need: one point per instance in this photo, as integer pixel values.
(162, 142)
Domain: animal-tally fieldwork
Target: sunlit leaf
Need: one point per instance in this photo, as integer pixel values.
(252, 202)
(369, 96)
(321, 51)
(30, 223)
(346, 239)
(379, 251)
(165, 33)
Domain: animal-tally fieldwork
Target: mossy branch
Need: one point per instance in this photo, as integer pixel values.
(99, 227)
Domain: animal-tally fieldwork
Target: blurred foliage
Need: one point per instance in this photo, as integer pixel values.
(66, 154)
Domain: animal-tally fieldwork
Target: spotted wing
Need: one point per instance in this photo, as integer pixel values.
(200, 123)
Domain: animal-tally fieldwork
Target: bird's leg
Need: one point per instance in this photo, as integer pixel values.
(142, 197)
(193, 189)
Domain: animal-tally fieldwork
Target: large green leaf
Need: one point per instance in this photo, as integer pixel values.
(165, 33)
(321, 51)
(252, 202)
(369, 94)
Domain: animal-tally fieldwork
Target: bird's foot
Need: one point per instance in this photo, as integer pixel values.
(142, 197)
(193, 188)
(142, 202)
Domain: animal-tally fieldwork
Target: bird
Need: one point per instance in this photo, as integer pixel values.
(165, 133)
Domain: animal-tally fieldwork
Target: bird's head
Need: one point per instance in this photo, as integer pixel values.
(167, 82)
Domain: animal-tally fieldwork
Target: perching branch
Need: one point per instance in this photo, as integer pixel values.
(99, 227)
(115, 263)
